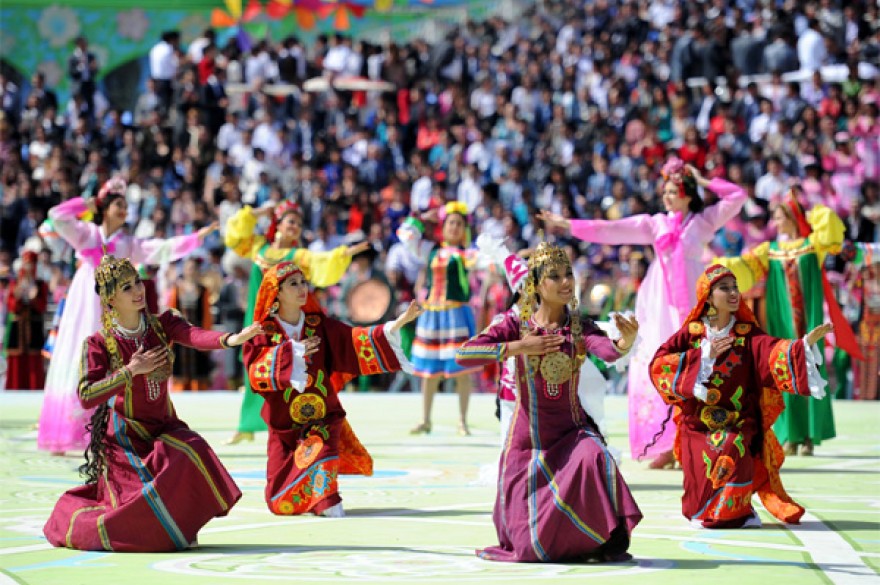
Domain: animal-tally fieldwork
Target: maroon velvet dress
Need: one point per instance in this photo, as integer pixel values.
(560, 494)
(725, 443)
(310, 440)
(161, 482)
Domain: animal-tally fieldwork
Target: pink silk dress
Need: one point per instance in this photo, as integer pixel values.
(666, 296)
(63, 418)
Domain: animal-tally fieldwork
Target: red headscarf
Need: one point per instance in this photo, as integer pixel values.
(796, 211)
(707, 280)
(28, 266)
(268, 292)
(283, 209)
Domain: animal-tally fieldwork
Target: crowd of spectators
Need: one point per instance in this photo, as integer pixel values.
(571, 108)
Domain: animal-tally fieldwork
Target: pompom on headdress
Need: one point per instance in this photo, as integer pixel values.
(675, 171)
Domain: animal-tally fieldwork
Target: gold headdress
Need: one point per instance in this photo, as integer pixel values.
(557, 367)
(110, 273)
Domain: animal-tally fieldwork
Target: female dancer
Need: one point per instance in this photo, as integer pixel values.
(554, 454)
(151, 482)
(728, 377)
(192, 368)
(448, 320)
(299, 365)
(679, 238)
(26, 303)
(281, 244)
(795, 289)
(62, 419)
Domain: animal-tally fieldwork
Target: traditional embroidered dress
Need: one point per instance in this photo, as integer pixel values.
(868, 372)
(796, 293)
(666, 294)
(448, 319)
(560, 494)
(25, 335)
(322, 269)
(63, 419)
(727, 406)
(161, 481)
(192, 368)
(310, 440)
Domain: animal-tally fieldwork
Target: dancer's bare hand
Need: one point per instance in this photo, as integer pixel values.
(533, 344)
(554, 220)
(248, 332)
(629, 328)
(412, 313)
(312, 345)
(357, 248)
(208, 230)
(720, 345)
(818, 333)
(145, 361)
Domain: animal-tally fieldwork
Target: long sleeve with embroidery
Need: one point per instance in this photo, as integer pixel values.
(675, 369)
(321, 269)
(97, 381)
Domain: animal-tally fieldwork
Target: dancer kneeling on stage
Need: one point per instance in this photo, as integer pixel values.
(151, 482)
(560, 494)
(727, 377)
(299, 364)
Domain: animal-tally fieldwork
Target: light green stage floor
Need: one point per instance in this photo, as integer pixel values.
(419, 518)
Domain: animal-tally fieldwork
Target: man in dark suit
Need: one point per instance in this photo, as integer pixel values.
(46, 98)
(82, 67)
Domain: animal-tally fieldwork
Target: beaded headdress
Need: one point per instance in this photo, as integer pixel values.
(111, 272)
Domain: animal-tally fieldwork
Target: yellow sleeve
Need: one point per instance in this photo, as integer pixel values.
(828, 231)
(240, 236)
(323, 269)
(749, 268)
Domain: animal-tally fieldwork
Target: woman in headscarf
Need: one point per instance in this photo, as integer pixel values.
(299, 365)
(25, 333)
(727, 379)
(281, 243)
(797, 293)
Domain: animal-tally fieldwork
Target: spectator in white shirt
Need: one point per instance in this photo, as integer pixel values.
(163, 65)
(197, 47)
(811, 50)
(337, 56)
(773, 185)
(420, 194)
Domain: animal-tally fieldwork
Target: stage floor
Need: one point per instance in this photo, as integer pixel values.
(428, 506)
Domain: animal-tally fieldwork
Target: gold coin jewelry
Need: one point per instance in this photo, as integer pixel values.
(556, 371)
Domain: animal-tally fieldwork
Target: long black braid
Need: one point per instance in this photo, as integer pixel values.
(94, 453)
(657, 435)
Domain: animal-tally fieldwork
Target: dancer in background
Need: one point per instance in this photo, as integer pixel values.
(666, 294)
(280, 244)
(192, 368)
(797, 293)
(63, 420)
(25, 334)
(299, 365)
(554, 454)
(448, 320)
(151, 482)
(728, 378)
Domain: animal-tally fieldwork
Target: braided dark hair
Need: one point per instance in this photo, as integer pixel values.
(656, 436)
(94, 453)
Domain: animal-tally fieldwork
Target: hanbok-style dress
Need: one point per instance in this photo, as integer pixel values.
(666, 293)
(63, 418)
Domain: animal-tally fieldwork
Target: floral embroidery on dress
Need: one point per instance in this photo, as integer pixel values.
(307, 407)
